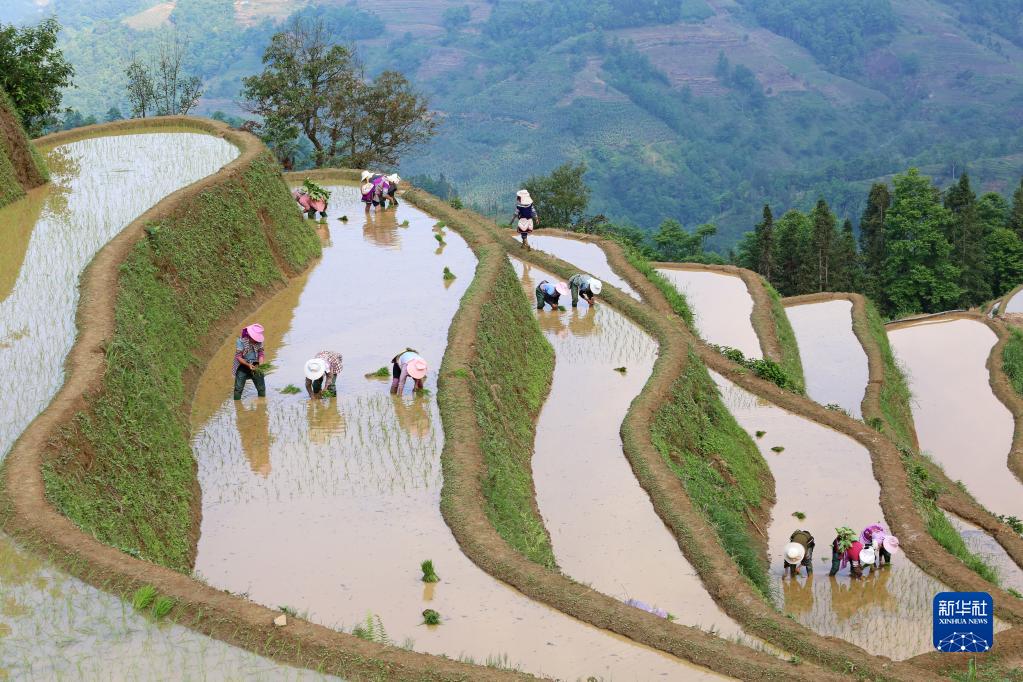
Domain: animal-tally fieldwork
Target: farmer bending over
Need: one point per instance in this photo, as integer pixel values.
(549, 294)
(408, 363)
(321, 373)
(586, 286)
(247, 358)
(799, 552)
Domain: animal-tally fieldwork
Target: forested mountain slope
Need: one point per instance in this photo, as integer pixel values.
(700, 110)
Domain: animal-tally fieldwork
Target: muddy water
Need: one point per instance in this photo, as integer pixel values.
(721, 305)
(959, 421)
(329, 506)
(986, 547)
(621, 549)
(51, 625)
(834, 363)
(590, 257)
(828, 477)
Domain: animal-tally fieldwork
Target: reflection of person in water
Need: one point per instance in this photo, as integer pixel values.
(798, 595)
(413, 416)
(253, 424)
(381, 228)
(847, 597)
(583, 321)
(325, 420)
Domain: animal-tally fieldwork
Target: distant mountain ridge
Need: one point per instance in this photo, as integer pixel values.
(699, 110)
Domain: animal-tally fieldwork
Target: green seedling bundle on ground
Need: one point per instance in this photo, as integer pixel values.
(431, 617)
(429, 575)
(448, 275)
(382, 373)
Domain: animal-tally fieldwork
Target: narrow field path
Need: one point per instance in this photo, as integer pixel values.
(329, 506)
(52, 625)
(834, 363)
(959, 421)
(603, 527)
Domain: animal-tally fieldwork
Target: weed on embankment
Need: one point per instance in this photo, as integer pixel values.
(1012, 359)
(511, 377)
(717, 462)
(895, 395)
(124, 470)
(791, 362)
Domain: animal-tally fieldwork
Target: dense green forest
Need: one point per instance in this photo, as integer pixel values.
(678, 109)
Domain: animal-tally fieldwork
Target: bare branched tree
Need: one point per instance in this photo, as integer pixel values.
(162, 89)
(141, 92)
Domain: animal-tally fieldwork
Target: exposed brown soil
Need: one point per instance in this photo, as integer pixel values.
(30, 517)
(12, 138)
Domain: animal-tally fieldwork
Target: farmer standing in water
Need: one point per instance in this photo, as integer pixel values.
(526, 215)
(248, 357)
(587, 286)
(408, 363)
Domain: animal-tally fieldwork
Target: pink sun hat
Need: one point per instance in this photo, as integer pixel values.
(561, 288)
(416, 368)
(255, 332)
(890, 543)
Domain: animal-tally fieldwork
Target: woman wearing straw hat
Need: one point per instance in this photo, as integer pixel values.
(321, 372)
(526, 215)
(586, 286)
(247, 358)
(549, 294)
(799, 552)
(393, 179)
(408, 363)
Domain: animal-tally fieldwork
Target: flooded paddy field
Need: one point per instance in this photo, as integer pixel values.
(53, 626)
(994, 555)
(834, 363)
(328, 506)
(827, 476)
(588, 256)
(603, 527)
(721, 306)
(959, 421)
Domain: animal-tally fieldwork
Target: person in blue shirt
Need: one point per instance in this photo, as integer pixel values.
(548, 293)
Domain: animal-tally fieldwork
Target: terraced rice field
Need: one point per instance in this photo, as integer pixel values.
(53, 626)
(328, 507)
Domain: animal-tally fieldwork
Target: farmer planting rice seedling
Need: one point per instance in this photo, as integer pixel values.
(631, 490)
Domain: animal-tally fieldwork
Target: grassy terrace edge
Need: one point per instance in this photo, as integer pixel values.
(27, 513)
(21, 165)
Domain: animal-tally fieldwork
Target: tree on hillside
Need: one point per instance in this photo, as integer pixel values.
(992, 211)
(33, 72)
(561, 197)
(764, 244)
(161, 89)
(918, 274)
(318, 87)
(1016, 216)
(673, 243)
(844, 273)
(872, 232)
(792, 254)
(823, 236)
(1004, 260)
(966, 234)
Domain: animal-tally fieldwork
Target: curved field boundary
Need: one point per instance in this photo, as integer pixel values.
(896, 499)
(697, 538)
(30, 517)
(1004, 301)
(462, 501)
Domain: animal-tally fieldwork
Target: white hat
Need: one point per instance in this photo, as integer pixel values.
(794, 552)
(595, 287)
(867, 556)
(366, 175)
(315, 369)
(523, 196)
(394, 177)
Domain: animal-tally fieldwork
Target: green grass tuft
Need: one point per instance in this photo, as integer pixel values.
(429, 574)
(1012, 359)
(162, 606)
(143, 597)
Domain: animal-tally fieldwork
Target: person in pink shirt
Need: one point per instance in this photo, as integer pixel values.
(845, 549)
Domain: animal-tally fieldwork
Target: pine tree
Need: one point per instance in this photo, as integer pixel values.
(825, 233)
(918, 274)
(845, 274)
(872, 248)
(764, 244)
(965, 232)
(792, 274)
(1004, 256)
(1016, 217)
